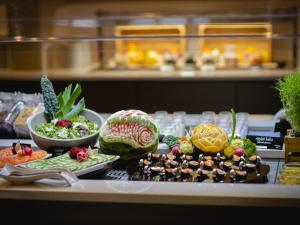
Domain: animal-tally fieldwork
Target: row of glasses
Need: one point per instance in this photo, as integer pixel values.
(242, 123)
(224, 120)
(170, 124)
(174, 124)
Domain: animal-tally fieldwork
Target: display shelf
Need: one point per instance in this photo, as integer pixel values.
(72, 74)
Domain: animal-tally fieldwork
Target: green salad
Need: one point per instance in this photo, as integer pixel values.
(65, 119)
(75, 127)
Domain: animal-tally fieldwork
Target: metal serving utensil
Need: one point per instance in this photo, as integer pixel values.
(23, 176)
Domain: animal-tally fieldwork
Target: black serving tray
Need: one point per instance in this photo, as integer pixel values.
(128, 170)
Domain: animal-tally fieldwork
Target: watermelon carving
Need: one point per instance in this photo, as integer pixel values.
(129, 133)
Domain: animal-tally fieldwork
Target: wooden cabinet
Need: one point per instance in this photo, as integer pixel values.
(192, 96)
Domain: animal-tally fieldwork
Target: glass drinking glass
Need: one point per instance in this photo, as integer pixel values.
(208, 117)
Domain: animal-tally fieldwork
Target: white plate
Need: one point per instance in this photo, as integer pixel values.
(96, 167)
(22, 164)
(93, 168)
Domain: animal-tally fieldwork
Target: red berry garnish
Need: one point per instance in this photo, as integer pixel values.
(64, 123)
(26, 150)
(75, 150)
(82, 156)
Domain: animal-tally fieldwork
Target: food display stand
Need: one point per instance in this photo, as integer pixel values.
(148, 134)
(106, 195)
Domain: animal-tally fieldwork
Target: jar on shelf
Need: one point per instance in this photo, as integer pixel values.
(190, 63)
(208, 62)
(169, 62)
(6, 126)
(230, 58)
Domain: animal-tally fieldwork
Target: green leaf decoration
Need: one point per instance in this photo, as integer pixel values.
(67, 100)
(49, 96)
(76, 110)
(233, 125)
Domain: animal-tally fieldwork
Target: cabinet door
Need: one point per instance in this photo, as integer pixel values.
(259, 97)
(109, 97)
(190, 96)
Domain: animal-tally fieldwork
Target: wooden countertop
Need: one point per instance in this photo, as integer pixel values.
(144, 75)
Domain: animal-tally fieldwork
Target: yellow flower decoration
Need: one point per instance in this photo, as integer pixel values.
(209, 138)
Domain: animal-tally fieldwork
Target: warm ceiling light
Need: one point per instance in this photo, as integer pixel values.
(51, 38)
(268, 34)
(18, 38)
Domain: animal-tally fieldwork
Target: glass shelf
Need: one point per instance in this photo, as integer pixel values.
(72, 35)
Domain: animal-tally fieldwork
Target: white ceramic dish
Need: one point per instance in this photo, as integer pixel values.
(97, 167)
(47, 143)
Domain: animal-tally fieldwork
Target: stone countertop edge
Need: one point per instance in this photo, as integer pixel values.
(267, 195)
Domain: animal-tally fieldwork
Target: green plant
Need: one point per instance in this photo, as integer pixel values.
(61, 106)
(50, 100)
(289, 91)
(66, 101)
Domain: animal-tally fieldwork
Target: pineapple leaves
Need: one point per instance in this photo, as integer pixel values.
(66, 101)
(64, 105)
(75, 110)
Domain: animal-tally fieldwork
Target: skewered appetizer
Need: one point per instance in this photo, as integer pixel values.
(161, 167)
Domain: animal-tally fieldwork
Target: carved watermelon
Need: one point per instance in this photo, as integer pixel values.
(129, 134)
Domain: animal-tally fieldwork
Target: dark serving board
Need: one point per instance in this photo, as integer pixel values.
(250, 178)
(128, 170)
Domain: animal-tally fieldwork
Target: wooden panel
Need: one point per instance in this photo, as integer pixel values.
(192, 97)
(59, 212)
(109, 96)
(259, 97)
(100, 96)
(292, 148)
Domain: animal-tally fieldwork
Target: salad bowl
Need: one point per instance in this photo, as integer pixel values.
(48, 143)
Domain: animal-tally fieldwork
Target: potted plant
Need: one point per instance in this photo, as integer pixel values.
(289, 90)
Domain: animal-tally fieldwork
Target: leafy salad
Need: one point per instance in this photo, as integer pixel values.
(65, 121)
(79, 127)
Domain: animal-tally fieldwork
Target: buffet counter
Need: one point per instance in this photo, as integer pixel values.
(120, 201)
(271, 194)
(144, 75)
